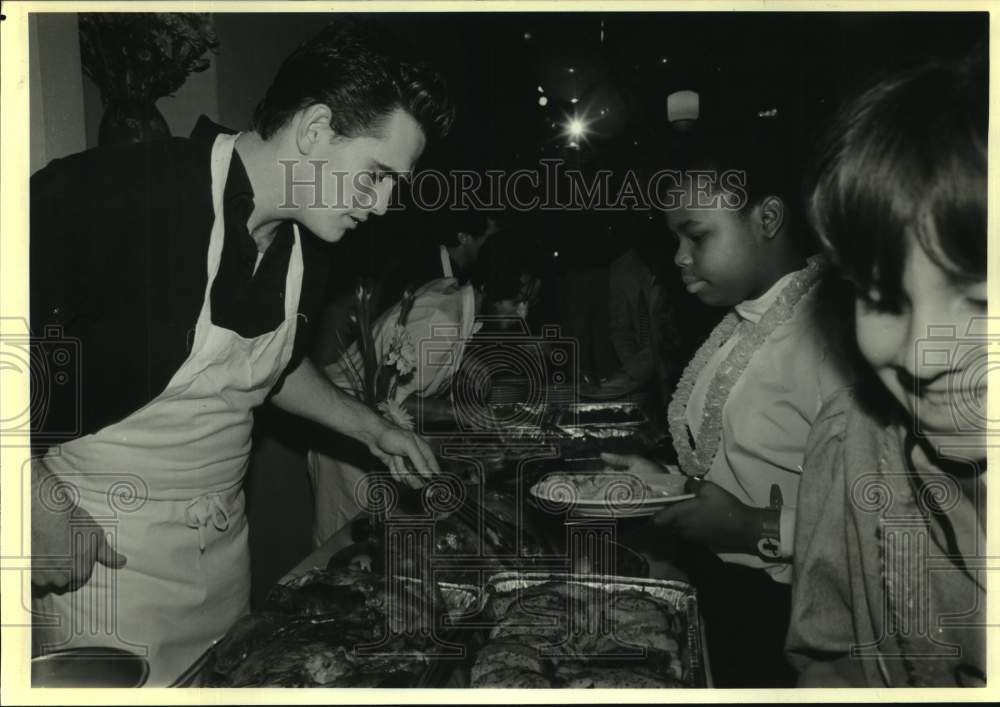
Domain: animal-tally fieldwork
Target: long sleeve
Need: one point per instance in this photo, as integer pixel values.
(628, 304)
(822, 622)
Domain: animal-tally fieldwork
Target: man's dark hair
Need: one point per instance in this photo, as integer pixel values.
(354, 68)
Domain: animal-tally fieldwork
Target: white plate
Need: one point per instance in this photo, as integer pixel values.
(651, 493)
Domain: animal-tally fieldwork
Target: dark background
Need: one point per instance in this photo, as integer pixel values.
(801, 64)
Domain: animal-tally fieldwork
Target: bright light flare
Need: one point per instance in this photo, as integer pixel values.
(575, 129)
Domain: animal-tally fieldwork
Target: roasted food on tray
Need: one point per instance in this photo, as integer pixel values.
(487, 533)
(315, 652)
(559, 634)
(314, 630)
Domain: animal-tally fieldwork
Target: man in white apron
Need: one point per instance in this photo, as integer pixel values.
(139, 539)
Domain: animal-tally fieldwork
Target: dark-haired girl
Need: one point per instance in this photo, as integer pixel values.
(889, 558)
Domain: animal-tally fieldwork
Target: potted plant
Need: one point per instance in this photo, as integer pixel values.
(137, 58)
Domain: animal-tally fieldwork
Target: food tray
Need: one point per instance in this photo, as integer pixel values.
(601, 414)
(462, 602)
(195, 674)
(678, 596)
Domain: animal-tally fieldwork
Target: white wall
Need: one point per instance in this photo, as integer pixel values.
(55, 88)
(66, 107)
(198, 95)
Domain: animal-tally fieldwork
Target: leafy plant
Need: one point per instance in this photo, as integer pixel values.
(376, 365)
(143, 57)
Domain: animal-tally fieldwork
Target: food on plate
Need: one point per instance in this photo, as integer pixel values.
(613, 487)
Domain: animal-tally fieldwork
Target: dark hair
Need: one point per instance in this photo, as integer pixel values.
(504, 259)
(906, 159)
(468, 221)
(763, 153)
(355, 70)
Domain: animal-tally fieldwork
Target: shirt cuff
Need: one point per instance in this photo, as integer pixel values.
(787, 525)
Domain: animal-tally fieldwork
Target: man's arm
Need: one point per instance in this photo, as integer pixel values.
(309, 394)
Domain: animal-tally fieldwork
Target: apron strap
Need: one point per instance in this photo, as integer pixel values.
(205, 509)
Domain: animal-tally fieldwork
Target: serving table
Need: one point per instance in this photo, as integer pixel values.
(578, 552)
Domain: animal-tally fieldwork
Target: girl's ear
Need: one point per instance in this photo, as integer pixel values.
(772, 216)
(313, 128)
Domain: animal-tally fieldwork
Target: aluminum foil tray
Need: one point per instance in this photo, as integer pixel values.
(601, 413)
(462, 601)
(677, 598)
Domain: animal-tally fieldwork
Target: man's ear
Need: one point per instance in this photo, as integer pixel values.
(313, 128)
(772, 216)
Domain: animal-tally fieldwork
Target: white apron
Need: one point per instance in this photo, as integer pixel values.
(166, 483)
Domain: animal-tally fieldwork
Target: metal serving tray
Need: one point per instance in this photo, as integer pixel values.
(601, 414)
(677, 596)
(463, 601)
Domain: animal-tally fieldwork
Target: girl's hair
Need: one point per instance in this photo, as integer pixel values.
(504, 259)
(905, 160)
(468, 220)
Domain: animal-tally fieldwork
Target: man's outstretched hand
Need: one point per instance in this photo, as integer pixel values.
(408, 456)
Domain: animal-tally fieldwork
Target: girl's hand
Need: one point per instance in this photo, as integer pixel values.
(633, 462)
(714, 517)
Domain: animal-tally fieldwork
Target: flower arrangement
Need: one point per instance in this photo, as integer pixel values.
(378, 365)
(143, 57)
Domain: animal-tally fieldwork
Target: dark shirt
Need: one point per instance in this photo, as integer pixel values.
(118, 271)
(248, 302)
